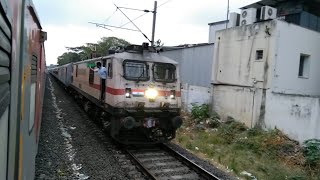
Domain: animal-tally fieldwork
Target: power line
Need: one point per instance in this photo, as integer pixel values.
(105, 26)
(111, 15)
(144, 13)
(144, 10)
(134, 19)
(133, 23)
(164, 3)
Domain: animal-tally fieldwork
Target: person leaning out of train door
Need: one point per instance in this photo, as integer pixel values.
(102, 71)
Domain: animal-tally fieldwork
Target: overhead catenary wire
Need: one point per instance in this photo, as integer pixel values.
(144, 13)
(105, 26)
(164, 3)
(130, 21)
(144, 10)
(133, 23)
(111, 15)
(133, 19)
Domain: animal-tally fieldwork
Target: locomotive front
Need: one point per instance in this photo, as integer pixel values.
(149, 109)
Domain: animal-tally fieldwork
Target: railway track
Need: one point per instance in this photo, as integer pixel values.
(162, 162)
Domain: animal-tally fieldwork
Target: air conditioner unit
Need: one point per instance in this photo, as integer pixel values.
(268, 12)
(234, 20)
(248, 16)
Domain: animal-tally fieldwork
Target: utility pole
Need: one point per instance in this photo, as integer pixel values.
(227, 16)
(154, 22)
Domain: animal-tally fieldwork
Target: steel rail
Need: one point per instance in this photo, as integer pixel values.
(145, 171)
(201, 171)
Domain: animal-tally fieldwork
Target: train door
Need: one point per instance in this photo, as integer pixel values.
(65, 76)
(103, 84)
(5, 59)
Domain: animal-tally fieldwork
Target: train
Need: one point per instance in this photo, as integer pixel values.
(141, 102)
(22, 84)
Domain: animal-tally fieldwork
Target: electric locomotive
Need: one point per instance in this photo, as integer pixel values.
(142, 99)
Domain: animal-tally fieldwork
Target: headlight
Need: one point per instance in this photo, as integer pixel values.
(151, 93)
(128, 93)
(172, 94)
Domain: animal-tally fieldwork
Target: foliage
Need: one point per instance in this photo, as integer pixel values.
(311, 151)
(265, 154)
(90, 50)
(68, 57)
(230, 129)
(200, 111)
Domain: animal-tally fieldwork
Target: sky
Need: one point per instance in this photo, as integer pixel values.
(178, 21)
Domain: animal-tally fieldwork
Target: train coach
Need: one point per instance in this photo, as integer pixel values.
(142, 99)
(22, 82)
(63, 73)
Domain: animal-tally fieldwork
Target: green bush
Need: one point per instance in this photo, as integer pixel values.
(255, 132)
(200, 111)
(311, 151)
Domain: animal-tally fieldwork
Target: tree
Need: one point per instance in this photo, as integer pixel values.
(90, 50)
(68, 57)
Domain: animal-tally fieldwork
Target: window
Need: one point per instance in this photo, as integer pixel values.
(259, 54)
(34, 67)
(304, 66)
(163, 72)
(91, 76)
(135, 70)
(109, 70)
(77, 70)
(33, 91)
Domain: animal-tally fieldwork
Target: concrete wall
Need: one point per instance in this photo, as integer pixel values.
(235, 61)
(195, 94)
(292, 41)
(241, 103)
(297, 116)
(268, 92)
(213, 29)
(195, 64)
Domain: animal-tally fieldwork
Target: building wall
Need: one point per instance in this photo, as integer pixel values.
(297, 116)
(195, 72)
(213, 29)
(195, 94)
(195, 64)
(241, 103)
(292, 41)
(235, 55)
(268, 92)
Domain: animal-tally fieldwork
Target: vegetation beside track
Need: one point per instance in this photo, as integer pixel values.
(248, 153)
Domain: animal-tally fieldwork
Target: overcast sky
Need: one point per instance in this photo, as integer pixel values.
(178, 21)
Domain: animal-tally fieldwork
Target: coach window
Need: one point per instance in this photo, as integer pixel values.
(77, 70)
(34, 67)
(91, 76)
(109, 70)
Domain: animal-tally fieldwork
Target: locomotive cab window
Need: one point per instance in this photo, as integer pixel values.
(135, 70)
(164, 72)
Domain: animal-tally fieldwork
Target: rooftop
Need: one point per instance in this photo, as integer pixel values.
(218, 22)
(274, 3)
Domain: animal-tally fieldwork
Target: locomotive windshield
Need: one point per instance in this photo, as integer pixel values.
(164, 72)
(135, 70)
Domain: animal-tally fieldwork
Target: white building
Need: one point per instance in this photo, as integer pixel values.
(266, 74)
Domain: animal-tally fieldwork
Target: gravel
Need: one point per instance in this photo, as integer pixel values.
(71, 146)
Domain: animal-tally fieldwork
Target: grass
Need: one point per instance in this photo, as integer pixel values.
(266, 155)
